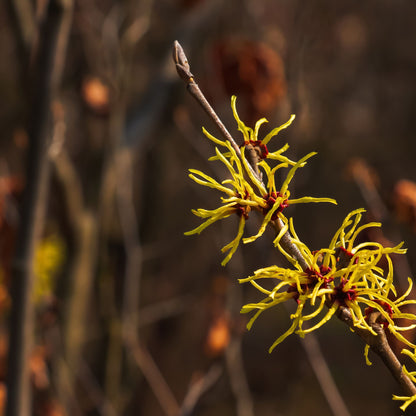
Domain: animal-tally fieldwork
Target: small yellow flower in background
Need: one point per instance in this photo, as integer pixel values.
(49, 257)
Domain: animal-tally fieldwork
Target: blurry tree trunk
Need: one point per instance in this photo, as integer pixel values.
(44, 79)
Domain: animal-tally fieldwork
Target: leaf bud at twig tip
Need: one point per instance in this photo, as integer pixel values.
(179, 55)
(181, 63)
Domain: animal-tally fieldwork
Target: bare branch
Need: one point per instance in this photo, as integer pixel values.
(198, 389)
(324, 376)
(378, 343)
(153, 375)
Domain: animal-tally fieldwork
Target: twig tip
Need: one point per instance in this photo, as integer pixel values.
(181, 62)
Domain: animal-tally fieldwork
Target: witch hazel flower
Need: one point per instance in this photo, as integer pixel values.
(251, 139)
(373, 285)
(343, 275)
(308, 288)
(240, 198)
(244, 190)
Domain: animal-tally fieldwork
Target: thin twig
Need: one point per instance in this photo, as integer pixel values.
(287, 244)
(86, 379)
(198, 389)
(323, 374)
(367, 184)
(238, 378)
(164, 309)
(379, 344)
(234, 359)
(152, 375)
(363, 177)
(94, 390)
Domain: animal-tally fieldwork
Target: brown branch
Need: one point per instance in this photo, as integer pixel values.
(322, 372)
(152, 375)
(238, 378)
(94, 390)
(90, 385)
(287, 244)
(378, 343)
(198, 389)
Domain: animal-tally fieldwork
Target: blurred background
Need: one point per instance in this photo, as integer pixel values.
(126, 315)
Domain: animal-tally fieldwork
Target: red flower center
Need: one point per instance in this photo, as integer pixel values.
(314, 278)
(385, 306)
(270, 201)
(242, 210)
(342, 295)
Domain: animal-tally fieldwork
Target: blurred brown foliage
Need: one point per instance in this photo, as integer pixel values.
(253, 71)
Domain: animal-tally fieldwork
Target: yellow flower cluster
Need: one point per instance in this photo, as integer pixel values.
(344, 274)
(243, 190)
(357, 276)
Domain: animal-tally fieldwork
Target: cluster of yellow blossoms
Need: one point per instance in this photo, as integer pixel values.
(244, 190)
(346, 273)
(343, 274)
